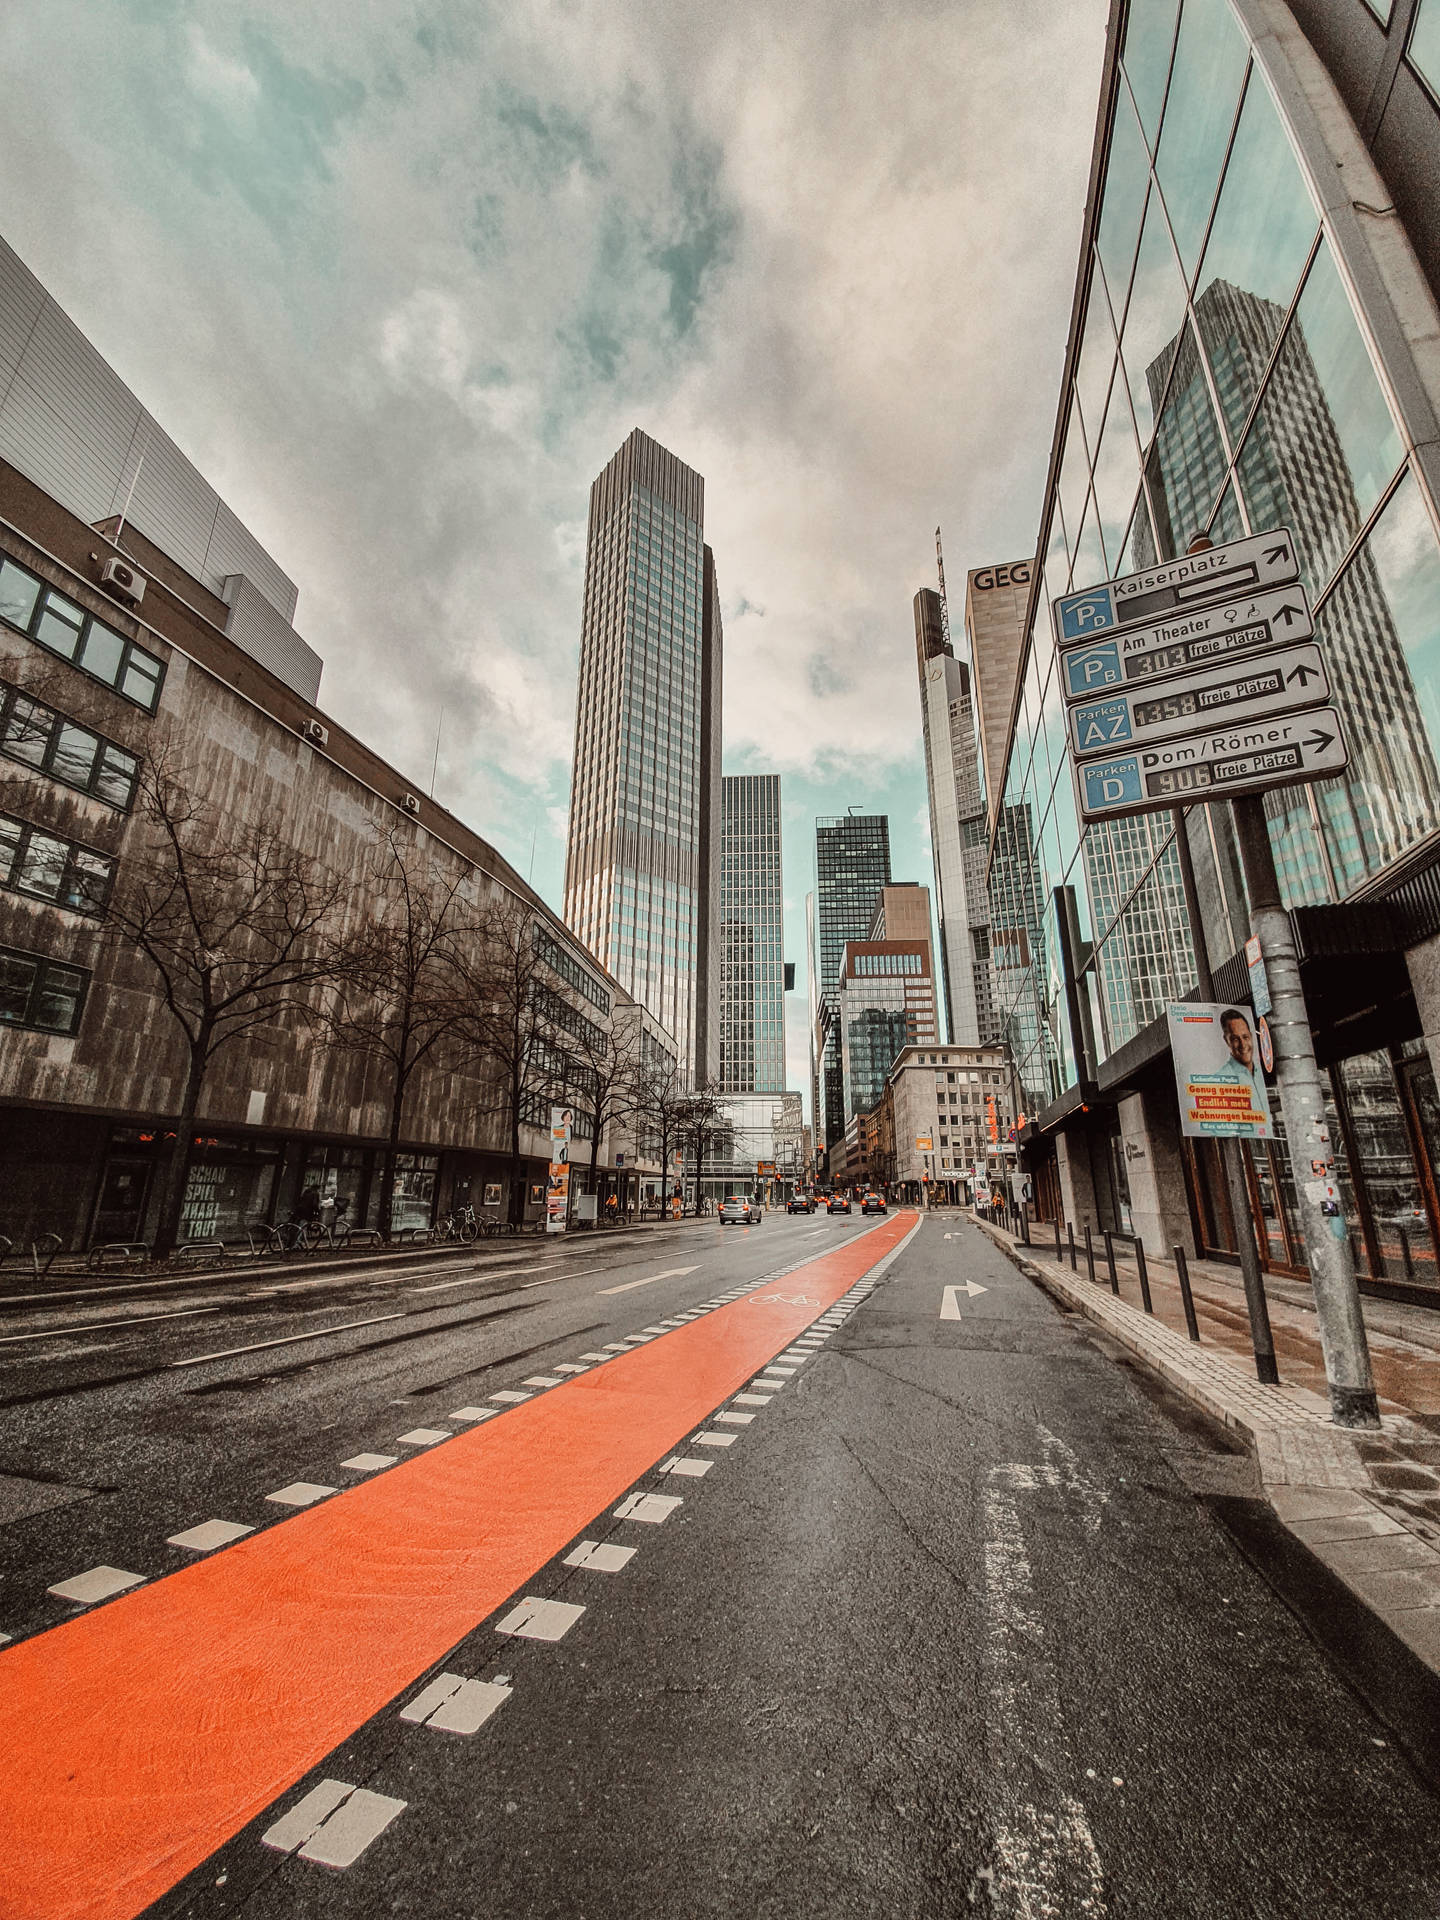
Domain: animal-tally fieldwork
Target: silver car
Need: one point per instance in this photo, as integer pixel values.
(736, 1209)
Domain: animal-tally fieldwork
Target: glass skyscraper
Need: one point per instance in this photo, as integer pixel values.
(752, 936)
(852, 864)
(642, 872)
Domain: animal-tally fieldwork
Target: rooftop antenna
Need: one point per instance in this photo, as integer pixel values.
(944, 603)
(435, 763)
(130, 495)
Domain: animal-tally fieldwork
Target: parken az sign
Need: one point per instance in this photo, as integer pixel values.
(1247, 689)
(1221, 763)
(1219, 573)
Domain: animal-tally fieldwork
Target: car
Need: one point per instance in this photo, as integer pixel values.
(839, 1203)
(873, 1203)
(736, 1210)
(800, 1203)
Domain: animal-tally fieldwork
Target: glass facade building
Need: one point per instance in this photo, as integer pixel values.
(1247, 351)
(852, 864)
(642, 867)
(752, 936)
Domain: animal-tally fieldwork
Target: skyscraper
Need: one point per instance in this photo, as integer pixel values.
(852, 864)
(642, 871)
(752, 937)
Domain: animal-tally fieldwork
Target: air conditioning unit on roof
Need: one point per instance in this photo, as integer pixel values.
(313, 730)
(410, 803)
(123, 580)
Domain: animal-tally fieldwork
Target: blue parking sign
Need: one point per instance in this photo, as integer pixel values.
(1111, 784)
(1104, 723)
(1081, 614)
(1091, 669)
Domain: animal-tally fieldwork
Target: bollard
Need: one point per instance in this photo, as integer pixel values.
(1405, 1260)
(1089, 1254)
(1187, 1298)
(1059, 1251)
(1110, 1263)
(1070, 1236)
(1145, 1299)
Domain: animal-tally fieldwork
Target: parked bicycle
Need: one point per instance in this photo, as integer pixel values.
(459, 1224)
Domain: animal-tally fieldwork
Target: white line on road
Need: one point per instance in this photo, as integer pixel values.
(670, 1273)
(95, 1326)
(289, 1341)
(474, 1279)
(335, 1822)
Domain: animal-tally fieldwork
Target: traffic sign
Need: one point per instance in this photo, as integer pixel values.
(1221, 763)
(1217, 573)
(1189, 640)
(1246, 689)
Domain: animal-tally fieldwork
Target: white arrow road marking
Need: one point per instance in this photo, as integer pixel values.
(949, 1303)
(670, 1273)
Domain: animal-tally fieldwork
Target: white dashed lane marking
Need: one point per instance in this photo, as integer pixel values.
(370, 1462)
(670, 1273)
(752, 1399)
(537, 1619)
(508, 1397)
(735, 1419)
(543, 1380)
(208, 1535)
(452, 1704)
(600, 1557)
(300, 1493)
(333, 1824)
(653, 1508)
(473, 1413)
(98, 1584)
(716, 1439)
(99, 1326)
(421, 1437)
(688, 1468)
(290, 1339)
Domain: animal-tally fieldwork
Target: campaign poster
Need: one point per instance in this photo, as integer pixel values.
(557, 1187)
(1218, 1076)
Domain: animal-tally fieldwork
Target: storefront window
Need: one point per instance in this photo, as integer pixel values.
(1265, 226)
(1393, 1209)
(228, 1187)
(414, 1201)
(1210, 58)
(338, 1175)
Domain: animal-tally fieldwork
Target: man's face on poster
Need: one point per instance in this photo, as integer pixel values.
(1240, 1041)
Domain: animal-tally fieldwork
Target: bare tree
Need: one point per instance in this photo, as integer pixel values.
(405, 1003)
(604, 1073)
(659, 1109)
(239, 927)
(705, 1129)
(510, 1021)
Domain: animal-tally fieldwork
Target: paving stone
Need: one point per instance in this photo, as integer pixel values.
(1381, 1554)
(1333, 1528)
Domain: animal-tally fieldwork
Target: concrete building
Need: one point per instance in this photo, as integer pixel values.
(886, 1003)
(960, 1100)
(996, 604)
(94, 693)
(72, 426)
(752, 936)
(852, 864)
(1250, 345)
(642, 871)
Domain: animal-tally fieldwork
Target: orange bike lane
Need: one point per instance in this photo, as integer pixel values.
(140, 1737)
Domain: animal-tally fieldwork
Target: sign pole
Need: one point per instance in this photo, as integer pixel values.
(1307, 1135)
(1262, 1340)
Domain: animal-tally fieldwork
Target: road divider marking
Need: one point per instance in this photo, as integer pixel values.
(473, 1413)
(333, 1824)
(598, 1556)
(208, 1535)
(98, 1584)
(950, 1298)
(289, 1340)
(100, 1326)
(670, 1273)
(422, 1436)
(653, 1508)
(453, 1704)
(687, 1467)
(716, 1439)
(508, 1397)
(537, 1619)
(301, 1493)
(543, 1380)
(354, 1601)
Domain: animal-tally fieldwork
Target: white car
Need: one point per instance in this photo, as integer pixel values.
(737, 1210)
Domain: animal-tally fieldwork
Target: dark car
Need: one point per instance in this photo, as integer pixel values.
(839, 1203)
(873, 1203)
(800, 1203)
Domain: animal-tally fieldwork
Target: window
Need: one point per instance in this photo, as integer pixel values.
(1424, 48)
(49, 868)
(40, 737)
(40, 993)
(62, 627)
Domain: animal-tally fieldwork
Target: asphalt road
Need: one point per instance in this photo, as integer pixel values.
(943, 1629)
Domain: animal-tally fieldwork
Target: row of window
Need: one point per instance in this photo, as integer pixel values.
(39, 993)
(49, 868)
(39, 737)
(561, 961)
(63, 627)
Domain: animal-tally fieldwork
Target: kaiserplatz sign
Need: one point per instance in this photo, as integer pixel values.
(1196, 680)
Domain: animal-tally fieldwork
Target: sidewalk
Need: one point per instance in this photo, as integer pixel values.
(1366, 1505)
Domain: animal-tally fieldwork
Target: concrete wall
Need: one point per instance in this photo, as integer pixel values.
(1154, 1168)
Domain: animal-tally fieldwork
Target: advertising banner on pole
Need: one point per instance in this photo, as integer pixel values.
(557, 1187)
(1218, 1077)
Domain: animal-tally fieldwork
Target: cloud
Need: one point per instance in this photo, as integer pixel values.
(401, 280)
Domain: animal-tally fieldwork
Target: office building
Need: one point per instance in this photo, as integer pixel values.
(1248, 349)
(852, 864)
(71, 425)
(642, 872)
(886, 1002)
(947, 1113)
(752, 936)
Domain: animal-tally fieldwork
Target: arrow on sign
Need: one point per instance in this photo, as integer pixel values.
(1289, 614)
(1319, 741)
(1276, 554)
(950, 1304)
(1302, 674)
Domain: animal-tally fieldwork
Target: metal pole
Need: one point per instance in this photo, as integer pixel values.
(1302, 1099)
(1187, 1298)
(1070, 1236)
(1406, 1262)
(1145, 1299)
(1262, 1340)
(1110, 1262)
(1058, 1254)
(1089, 1254)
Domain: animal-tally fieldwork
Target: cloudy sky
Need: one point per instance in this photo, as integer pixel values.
(401, 277)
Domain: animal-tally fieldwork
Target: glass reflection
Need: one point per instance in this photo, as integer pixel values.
(1127, 178)
(1265, 226)
(1157, 302)
(1117, 475)
(1149, 37)
(1096, 363)
(1074, 481)
(1089, 554)
(1424, 47)
(1225, 521)
(1205, 82)
(1140, 540)
(1186, 464)
(1322, 447)
(1380, 631)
